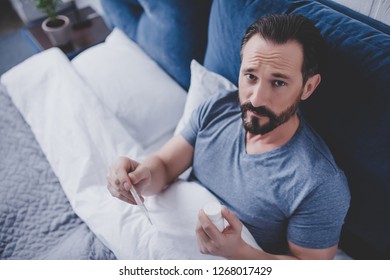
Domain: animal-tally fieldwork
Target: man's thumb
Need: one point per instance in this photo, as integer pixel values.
(232, 219)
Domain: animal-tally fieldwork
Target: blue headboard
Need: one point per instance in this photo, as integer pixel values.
(350, 109)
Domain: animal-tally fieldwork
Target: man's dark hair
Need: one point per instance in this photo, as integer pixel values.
(281, 28)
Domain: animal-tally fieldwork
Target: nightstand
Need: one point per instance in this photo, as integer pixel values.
(82, 37)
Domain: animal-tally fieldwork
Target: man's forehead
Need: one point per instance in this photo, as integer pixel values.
(258, 51)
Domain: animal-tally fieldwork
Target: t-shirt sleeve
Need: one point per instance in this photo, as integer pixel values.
(190, 131)
(206, 112)
(317, 222)
(195, 123)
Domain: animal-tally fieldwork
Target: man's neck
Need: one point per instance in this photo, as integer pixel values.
(257, 144)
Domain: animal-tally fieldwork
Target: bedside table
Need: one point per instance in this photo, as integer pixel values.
(82, 37)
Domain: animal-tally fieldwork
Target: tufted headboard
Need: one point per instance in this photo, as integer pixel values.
(350, 109)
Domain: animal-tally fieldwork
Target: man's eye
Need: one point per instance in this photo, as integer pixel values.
(278, 83)
(250, 77)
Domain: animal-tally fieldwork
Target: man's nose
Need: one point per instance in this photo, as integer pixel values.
(259, 94)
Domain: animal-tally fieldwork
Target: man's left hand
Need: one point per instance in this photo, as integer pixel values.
(213, 242)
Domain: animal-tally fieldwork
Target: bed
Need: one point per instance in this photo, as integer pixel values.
(62, 123)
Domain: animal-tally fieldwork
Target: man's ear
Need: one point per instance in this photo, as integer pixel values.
(310, 86)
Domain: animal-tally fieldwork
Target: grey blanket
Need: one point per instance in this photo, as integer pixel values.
(36, 219)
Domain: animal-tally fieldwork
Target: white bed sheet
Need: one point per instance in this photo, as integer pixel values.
(80, 138)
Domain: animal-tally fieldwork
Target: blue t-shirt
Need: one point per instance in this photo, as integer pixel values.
(295, 192)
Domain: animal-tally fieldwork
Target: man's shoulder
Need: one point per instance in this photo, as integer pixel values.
(317, 166)
(315, 152)
(223, 97)
(220, 103)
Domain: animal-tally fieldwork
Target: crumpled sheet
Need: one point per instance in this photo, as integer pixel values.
(36, 219)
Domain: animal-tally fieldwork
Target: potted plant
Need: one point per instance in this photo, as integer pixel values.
(57, 27)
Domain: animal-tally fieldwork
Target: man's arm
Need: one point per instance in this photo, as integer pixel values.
(297, 253)
(154, 174)
(230, 245)
(167, 164)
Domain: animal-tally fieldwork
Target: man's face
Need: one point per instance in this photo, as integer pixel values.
(270, 84)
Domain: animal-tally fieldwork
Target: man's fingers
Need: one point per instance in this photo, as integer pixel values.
(119, 182)
(140, 179)
(203, 239)
(201, 233)
(119, 191)
(232, 219)
(207, 225)
(122, 179)
(119, 177)
(139, 174)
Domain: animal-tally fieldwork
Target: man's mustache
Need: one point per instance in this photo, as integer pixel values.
(261, 110)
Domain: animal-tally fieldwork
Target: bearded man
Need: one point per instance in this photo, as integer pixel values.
(256, 154)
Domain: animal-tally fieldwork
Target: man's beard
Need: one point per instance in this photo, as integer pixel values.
(254, 126)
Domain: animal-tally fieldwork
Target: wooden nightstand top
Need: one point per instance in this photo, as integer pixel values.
(81, 38)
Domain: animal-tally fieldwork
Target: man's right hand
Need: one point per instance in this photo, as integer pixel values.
(154, 174)
(124, 174)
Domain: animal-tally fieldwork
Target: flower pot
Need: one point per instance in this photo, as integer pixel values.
(59, 32)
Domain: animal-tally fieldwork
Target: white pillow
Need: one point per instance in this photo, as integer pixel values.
(204, 84)
(146, 100)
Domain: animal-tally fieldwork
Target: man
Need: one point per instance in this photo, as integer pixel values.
(256, 154)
